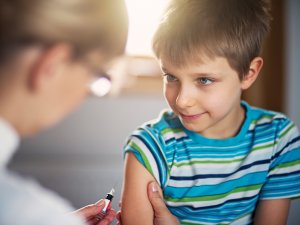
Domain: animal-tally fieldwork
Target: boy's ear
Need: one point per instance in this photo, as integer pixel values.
(48, 64)
(254, 69)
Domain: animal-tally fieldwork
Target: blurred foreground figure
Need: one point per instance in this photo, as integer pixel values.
(50, 53)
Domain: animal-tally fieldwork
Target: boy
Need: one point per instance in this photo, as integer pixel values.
(217, 159)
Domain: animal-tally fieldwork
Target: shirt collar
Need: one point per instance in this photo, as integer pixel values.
(9, 141)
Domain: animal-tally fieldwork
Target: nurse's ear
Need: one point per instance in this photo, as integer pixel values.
(254, 69)
(48, 66)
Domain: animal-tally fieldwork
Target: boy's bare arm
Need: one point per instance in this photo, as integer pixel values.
(136, 208)
(273, 212)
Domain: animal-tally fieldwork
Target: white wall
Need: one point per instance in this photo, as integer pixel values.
(293, 79)
(293, 59)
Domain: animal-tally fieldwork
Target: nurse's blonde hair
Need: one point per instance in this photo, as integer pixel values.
(84, 24)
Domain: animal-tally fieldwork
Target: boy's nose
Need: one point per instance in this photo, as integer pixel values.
(185, 98)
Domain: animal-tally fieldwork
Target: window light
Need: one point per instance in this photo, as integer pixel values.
(144, 16)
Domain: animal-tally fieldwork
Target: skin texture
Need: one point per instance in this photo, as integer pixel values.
(136, 208)
(206, 97)
(273, 212)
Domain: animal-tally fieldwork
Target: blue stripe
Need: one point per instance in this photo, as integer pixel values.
(176, 139)
(252, 200)
(159, 157)
(193, 191)
(204, 176)
(156, 157)
(287, 145)
(284, 175)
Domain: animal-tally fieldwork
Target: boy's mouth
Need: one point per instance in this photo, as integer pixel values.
(191, 117)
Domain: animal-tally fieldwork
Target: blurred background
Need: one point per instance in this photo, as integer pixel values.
(81, 158)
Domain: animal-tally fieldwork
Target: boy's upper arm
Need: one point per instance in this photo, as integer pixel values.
(284, 172)
(136, 208)
(273, 212)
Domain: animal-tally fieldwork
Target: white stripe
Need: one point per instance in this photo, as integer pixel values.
(222, 168)
(171, 134)
(149, 156)
(244, 220)
(214, 181)
(232, 196)
(266, 120)
(219, 153)
(293, 133)
(289, 169)
(288, 126)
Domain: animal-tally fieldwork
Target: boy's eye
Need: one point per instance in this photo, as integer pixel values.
(205, 81)
(169, 77)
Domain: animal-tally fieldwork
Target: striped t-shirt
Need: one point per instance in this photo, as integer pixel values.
(210, 181)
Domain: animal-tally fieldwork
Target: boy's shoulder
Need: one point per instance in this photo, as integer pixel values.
(166, 125)
(261, 116)
(165, 119)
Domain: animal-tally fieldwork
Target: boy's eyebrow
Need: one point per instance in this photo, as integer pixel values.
(164, 69)
(196, 74)
(205, 74)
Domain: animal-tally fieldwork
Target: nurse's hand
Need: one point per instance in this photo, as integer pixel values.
(90, 212)
(162, 216)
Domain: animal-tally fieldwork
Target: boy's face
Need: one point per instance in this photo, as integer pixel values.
(205, 96)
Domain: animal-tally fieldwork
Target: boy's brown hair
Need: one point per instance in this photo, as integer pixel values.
(193, 29)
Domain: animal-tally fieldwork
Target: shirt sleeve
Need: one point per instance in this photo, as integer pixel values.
(284, 172)
(144, 143)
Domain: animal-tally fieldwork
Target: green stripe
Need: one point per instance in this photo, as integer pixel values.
(213, 197)
(288, 164)
(261, 118)
(218, 161)
(287, 130)
(171, 130)
(189, 223)
(262, 147)
(193, 223)
(207, 162)
(144, 157)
